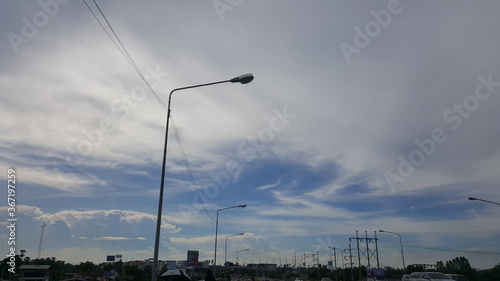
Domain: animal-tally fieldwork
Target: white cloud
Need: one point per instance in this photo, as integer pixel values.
(69, 82)
(119, 238)
(269, 185)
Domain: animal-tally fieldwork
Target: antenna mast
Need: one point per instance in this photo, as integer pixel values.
(41, 241)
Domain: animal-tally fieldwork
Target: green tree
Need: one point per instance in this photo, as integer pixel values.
(440, 266)
(6, 267)
(492, 274)
(117, 266)
(85, 267)
(458, 265)
(414, 268)
(57, 267)
(23, 253)
(134, 273)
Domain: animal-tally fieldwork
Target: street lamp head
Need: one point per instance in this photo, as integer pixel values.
(478, 199)
(242, 206)
(381, 230)
(243, 79)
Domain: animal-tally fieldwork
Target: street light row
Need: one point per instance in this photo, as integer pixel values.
(225, 252)
(331, 248)
(216, 231)
(401, 241)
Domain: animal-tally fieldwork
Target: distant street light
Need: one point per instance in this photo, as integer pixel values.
(243, 79)
(491, 202)
(225, 252)
(237, 252)
(401, 243)
(216, 228)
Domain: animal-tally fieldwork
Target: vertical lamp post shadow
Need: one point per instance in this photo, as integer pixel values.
(401, 244)
(243, 79)
(216, 228)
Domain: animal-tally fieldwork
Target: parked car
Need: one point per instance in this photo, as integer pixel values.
(326, 279)
(405, 277)
(429, 276)
(457, 277)
(375, 274)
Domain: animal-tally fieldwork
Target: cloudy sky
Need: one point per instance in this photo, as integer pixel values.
(362, 116)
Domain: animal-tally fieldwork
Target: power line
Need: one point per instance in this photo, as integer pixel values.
(123, 50)
(121, 47)
(497, 253)
(188, 169)
(453, 250)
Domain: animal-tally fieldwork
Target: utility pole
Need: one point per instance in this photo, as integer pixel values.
(315, 258)
(350, 261)
(335, 259)
(376, 248)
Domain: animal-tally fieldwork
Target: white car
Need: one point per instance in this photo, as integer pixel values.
(429, 276)
(457, 277)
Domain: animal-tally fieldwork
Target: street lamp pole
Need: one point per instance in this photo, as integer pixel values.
(237, 252)
(243, 79)
(401, 244)
(225, 252)
(216, 229)
(491, 202)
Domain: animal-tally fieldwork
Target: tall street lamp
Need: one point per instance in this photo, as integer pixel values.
(225, 252)
(491, 202)
(243, 79)
(400, 243)
(216, 229)
(237, 252)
